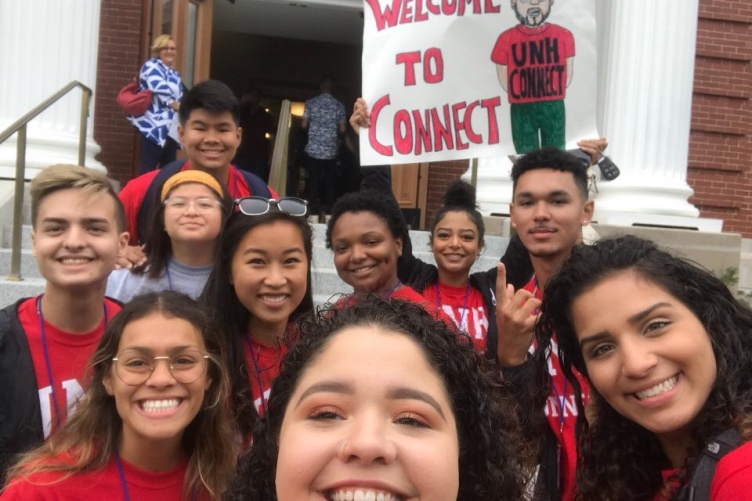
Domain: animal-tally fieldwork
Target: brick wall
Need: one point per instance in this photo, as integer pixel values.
(119, 61)
(720, 150)
(440, 174)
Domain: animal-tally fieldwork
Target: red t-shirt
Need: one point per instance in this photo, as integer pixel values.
(536, 61)
(733, 476)
(407, 293)
(465, 306)
(561, 411)
(263, 364)
(101, 484)
(68, 354)
(132, 195)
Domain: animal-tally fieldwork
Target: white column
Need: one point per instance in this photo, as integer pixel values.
(646, 52)
(646, 74)
(44, 45)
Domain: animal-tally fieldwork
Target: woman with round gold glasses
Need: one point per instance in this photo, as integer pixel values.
(154, 423)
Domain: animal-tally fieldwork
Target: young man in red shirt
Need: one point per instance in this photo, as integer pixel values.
(549, 208)
(46, 341)
(210, 134)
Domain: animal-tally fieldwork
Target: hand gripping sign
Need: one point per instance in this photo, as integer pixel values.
(457, 79)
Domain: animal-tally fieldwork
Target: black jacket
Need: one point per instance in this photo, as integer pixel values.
(20, 414)
(418, 275)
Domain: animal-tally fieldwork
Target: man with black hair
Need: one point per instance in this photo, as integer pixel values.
(210, 133)
(548, 210)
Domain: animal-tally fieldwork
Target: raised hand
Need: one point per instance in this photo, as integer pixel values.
(361, 117)
(516, 313)
(594, 148)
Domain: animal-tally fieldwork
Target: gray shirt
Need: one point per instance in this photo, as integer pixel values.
(124, 285)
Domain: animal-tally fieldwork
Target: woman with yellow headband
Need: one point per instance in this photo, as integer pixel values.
(182, 239)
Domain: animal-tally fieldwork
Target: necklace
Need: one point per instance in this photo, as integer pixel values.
(46, 353)
(463, 314)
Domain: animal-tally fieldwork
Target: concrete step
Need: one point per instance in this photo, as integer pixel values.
(10, 292)
(28, 264)
(7, 236)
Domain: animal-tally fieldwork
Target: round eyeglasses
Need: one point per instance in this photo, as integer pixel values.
(135, 367)
(255, 206)
(203, 204)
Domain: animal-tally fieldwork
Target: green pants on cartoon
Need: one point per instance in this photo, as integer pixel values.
(538, 125)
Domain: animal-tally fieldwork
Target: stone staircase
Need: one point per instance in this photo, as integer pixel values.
(326, 283)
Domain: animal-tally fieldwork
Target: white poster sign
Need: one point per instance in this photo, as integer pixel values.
(457, 79)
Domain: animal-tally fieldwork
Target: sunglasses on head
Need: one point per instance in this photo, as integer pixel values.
(255, 206)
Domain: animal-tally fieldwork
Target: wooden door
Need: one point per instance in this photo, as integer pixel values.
(410, 186)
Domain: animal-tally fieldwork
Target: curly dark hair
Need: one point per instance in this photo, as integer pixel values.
(229, 313)
(385, 207)
(493, 454)
(460, 197)
(619, 459)
(552, 158)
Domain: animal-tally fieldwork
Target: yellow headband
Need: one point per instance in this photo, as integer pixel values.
(191, 176)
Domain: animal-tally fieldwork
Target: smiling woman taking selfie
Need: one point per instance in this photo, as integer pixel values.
(154, 424)
(667, 351)
(381, 401)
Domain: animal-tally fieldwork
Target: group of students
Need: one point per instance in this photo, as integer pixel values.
(427, 382)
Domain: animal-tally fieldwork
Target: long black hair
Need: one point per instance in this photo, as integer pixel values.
(620, 459)
(230, 314)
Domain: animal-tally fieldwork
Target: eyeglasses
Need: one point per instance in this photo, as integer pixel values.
(203, 204)
(169, 48)
(134, 367)
(255, 206)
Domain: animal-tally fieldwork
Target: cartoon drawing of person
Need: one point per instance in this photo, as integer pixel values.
(534, 62)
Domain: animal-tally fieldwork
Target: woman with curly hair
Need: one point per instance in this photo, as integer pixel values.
(366, 232)
(379, 400)
(154, 423)
(667, 352)
(260, 284)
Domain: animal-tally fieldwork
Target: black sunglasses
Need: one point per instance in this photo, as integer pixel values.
(255, 206)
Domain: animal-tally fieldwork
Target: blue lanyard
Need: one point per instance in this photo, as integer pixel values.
(560, 402)
(47, 355)
(396, 286)
(124, 485)
(464, 305)
(167, 273)
(257, 370)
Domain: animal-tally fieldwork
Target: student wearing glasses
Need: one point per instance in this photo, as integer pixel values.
(260, 284)
(210, 134)
(182, 239)
(154, 423)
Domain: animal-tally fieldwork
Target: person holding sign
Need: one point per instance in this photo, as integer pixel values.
(534, 63)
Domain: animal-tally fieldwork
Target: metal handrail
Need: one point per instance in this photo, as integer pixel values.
(20, 127)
